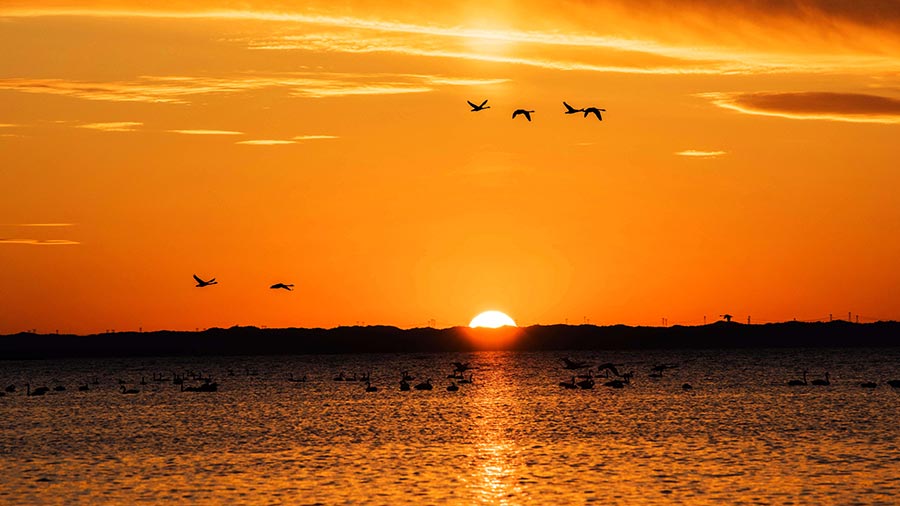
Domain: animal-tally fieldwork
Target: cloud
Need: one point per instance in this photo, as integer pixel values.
(205, 132)
(181, 89)
(120, 126)
(7, 125)
(314, 137)
(700, 154)
(44, 225)
(812, 105)
(40, 242)
(664, 36)
(265, 142)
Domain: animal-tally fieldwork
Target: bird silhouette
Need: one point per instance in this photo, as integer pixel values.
(370, 388)
(452, 387)
(594, 111)
(523, 112)
(571, 110)
(288, 287)
(868, 384)
(476, 108)
(894, 383)
(569, 385)
(129, 391)
(573, 364)
(37, 391)
(798, 383)
(822, 382)
(201, 283)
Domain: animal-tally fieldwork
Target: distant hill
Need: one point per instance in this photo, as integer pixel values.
(383, 339)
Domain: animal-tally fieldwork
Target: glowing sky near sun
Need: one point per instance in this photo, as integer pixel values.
(746, 163)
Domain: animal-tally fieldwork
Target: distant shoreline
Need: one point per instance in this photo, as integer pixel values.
(237, 341)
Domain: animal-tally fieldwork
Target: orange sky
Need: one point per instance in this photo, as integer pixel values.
(748, 162)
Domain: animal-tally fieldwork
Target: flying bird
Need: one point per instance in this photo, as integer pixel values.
(571, 110)
(288, 287)
(523, 112)
(476, 108)
(594, 111)
(201, 283)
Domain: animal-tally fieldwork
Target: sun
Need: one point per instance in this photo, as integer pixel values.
(492, 320)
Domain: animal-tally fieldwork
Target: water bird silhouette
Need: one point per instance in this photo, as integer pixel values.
(283, 286)
(894, 383)
(574, 364)
(10, 388)
(595, 111)
(822, 382)
(798, 383)
(370, 388)
(83, 388)
(476, 108)
(586, 384)
(425, 385)
(292, 379)
(686, 386)
(130, 391)
(523, 112)
(201, 283)
(404, 385)
(59, 388)
(452, 387)
(615, 384)
(569, 385)
(36, 392)
(868, 384)
(571, 110)
(609, 367)
(461, 367)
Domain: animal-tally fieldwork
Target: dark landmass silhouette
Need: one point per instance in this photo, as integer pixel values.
(384, 339)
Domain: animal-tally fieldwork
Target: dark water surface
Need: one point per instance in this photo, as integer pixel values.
(741, 436)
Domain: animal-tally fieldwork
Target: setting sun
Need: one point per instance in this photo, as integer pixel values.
(492, 320)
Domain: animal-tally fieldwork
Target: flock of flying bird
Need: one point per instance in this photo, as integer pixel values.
(527, 113)
(475, 108)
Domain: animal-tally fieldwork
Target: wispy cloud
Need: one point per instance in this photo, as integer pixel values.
(314, 137)
(44, 225)
(119, 126)
(350, 42)
(810, 105)
(181, 89)
(40, 242)
(205, 132)
(700, 154)
(7, 125)
(763, 35)
(265, 142)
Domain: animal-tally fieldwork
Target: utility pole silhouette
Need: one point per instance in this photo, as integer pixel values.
(748, 319)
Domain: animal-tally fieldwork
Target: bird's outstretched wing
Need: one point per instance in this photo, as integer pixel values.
(473, 105)
(198, 279)
(597, 113)
(569, 108)
(516, 113)
(527, 115)
(482, 104)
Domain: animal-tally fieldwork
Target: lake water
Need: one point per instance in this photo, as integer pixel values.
(740, 436)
